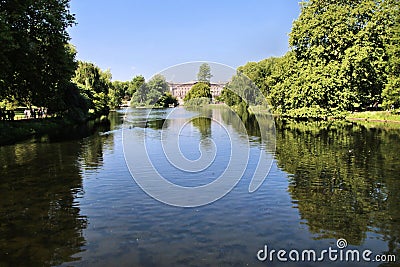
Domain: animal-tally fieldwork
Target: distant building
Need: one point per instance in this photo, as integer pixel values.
(179, 90)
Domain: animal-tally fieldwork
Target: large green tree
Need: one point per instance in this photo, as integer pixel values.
(157, 87)
(339, 48)
(167, 100)
(135, 84)
(391, 93)
(94, 85)
(262, 73)
(151, 92)
(199, 90)
(139, 98)
(204, 74)
(344, 57)
(36, 60)
(117, 93)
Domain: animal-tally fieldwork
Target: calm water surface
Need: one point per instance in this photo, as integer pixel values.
(74, 202)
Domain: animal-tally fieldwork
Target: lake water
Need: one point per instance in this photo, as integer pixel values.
(74, 202)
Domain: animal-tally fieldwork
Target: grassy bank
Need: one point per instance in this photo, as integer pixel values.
(12, 132)
(15, 131)
(388, 126)
(368, 116)
(374, 116)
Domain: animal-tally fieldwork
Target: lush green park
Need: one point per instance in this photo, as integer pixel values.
(154, 93)
(377, 116)
(344, 57)
(343, 62)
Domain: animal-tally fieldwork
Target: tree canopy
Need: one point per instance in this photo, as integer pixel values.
(241, 89)
(391, 92)
(36, 61)
(204, 74)
(94, 85)
(135, 84)
(38, 66)
(167, 100)
(339, 48)
(199, 92)
(152, 92)
(344, 57)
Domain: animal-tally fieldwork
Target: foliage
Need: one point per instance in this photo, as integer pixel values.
(139, 98)
(374, 115)
(201, 91)
(331, 176)
(204, 74)
(166, 100)
(36, 61)
(74, 103)
(263, 73)
(117, 93)
(197, 102)
(228, 97)
(135, 84)
(391, 93)
(151, 92)
(94, 85)
(157, 87)
(245, 89)
(344, 57)
(15, 131)
(7, 104)
(241, 92)
(306, 113)
(339, 49)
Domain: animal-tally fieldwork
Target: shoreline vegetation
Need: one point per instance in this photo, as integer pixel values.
(12, 132)
(374, 116)
(39, 130)
(332, 71)
(369, 116)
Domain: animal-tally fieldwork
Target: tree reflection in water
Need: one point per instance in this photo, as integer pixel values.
(344, 179)
(40, 219)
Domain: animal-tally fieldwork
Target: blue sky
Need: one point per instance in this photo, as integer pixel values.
(145, 37)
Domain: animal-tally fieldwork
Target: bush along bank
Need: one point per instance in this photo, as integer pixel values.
(12, 132)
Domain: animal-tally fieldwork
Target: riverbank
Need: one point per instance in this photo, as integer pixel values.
(370, 116)
(12, 132)
(374, 116)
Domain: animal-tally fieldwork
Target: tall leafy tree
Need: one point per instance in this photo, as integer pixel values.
(139, 98)
(135, 84)
(157, 87)
(166, 100)
(391, 93)
(204, 74)
(151, 92)
(228, 97)
(199, 90)
(117, 93)
(344, 57)
(36, 60)
(262, 73)
(340, 51)
(245, 89)
(94, 85)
